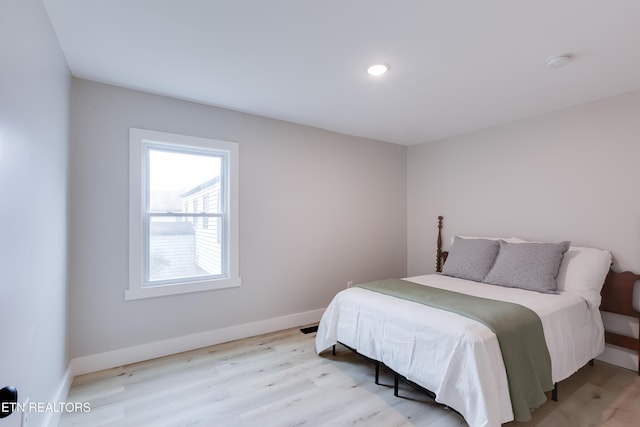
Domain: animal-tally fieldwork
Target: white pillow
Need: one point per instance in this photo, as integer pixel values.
(583, 271)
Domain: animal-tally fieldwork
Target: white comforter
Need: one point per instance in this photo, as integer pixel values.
(457, 358)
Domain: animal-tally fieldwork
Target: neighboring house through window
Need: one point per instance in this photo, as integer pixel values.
(205, 207)
(183, 214)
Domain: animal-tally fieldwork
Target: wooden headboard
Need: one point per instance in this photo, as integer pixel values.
(441, 256)
(617, 297)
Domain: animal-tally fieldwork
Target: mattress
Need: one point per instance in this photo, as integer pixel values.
(458, 358)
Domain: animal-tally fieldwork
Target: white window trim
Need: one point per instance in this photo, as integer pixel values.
(137, 140)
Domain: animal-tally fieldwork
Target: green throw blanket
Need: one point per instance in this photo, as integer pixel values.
(519, 331)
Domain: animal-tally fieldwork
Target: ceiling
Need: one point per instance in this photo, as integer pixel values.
(456, 65)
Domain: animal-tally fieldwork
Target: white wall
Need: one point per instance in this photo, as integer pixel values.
(572, 175)
(34, 117)
(316, 209)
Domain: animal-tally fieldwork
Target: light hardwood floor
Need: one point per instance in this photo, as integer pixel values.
(278, 380)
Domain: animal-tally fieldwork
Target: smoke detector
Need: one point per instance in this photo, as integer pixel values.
(558, 61)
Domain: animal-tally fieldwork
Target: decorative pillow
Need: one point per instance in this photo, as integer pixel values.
(506, 239)
(583, 271)
(531, 266)
(471, 259)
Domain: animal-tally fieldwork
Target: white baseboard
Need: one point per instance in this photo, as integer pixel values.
(53, 417)
(620, 357)
(139, 353)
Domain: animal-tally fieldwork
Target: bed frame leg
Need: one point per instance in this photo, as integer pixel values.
(377, 373)
(554, 392)
(396, 380)
(334, 349)
(591, 362)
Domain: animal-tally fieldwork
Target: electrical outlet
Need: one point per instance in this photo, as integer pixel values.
(349, 283)
(25, 413)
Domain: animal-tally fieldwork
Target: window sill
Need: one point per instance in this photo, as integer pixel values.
(185, 288)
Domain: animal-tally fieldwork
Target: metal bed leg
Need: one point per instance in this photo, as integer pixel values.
(554, 392)
(396, 380)
(376, 362)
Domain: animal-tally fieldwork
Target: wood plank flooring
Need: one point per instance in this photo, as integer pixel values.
(278, 380)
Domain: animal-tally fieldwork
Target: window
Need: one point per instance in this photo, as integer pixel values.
(179, 241)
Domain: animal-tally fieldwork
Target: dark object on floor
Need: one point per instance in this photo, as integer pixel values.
(309, 330)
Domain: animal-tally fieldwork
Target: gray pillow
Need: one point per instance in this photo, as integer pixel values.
(531, 266)
(471, 259)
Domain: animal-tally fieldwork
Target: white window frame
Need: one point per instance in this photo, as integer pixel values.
(139, 141)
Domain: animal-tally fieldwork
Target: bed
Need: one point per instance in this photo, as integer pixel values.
(459, 359)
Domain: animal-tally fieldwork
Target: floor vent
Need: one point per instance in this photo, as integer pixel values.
(309, 330)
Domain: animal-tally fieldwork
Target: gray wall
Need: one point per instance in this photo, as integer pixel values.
(316, 209)
(569, 175)
(34, 117)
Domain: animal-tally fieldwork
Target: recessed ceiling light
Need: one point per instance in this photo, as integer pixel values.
(558, 61)
(378, 69)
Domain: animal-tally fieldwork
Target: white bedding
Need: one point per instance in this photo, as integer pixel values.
(457, 358)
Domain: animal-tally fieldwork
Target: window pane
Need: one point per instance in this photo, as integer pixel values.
(181, 248)
(179, 181)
